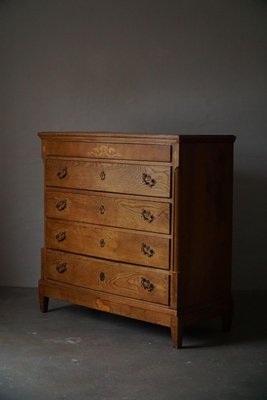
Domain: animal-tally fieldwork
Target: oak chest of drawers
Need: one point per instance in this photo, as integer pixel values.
(139, 225)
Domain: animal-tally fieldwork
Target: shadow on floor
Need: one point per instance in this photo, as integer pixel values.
(249, 323)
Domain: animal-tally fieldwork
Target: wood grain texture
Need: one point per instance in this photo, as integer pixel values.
(108, 243)
(110, 211)
(123, 279)
(132, 308)
(205, 223)
(108, 177)
(140, 152)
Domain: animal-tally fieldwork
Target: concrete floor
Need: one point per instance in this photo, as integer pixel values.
(75, 353)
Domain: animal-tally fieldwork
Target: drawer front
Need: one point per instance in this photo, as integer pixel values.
(115, 151)
(108, 177)
(114, 244)
(126, 280)
(107, 210)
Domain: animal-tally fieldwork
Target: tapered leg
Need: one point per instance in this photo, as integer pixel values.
(43, 300)
(176, 331)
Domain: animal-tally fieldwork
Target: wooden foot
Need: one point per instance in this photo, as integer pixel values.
(176, 331)
(43, 300)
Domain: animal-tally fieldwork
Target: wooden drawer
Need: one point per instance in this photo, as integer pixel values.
(106, 276)
(109, 243)
(108, 210)
(108, 177)
(115, 151)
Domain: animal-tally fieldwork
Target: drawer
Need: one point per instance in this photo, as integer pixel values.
(106, 276)
(108, 177)
(115, 151)
(109, 243)
(108, 210)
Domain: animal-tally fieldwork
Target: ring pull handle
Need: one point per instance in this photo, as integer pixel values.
(147, 250)
(147, 285)
(61, 236)
(102, 210)
(147, 216)
(102, 276)
(61, 205)
(61, 267)
(102, 243)
(102, 175)
(148, 180)
(62, 173)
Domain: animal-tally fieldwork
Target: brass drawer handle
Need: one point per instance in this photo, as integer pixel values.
(148, 180)
(62, 173)
(147, 250)
(61, 267)
(102, 175)
(102, 243)
(61, 236)
(102, 276)
(147, 215)
(61, 205)
(102, 210)
(147, 285)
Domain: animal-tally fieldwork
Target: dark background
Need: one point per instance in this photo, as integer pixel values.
(161, 66)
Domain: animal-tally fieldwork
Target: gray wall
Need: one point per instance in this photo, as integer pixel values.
(131, 65)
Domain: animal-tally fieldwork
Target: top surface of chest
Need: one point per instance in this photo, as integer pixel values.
(122, 146)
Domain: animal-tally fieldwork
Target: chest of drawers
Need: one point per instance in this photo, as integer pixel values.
(139, 225)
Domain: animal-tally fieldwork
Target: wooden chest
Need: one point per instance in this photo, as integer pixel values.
(139, 225)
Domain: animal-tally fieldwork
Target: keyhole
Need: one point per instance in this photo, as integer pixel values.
(102, 242)
(102, 210)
